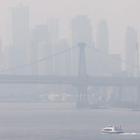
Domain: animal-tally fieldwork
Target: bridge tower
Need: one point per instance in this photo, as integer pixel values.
(82, 101)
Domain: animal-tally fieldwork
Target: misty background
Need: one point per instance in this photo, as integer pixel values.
(118, 13)
(34, 111)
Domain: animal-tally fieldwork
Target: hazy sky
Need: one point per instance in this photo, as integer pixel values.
(118, 13)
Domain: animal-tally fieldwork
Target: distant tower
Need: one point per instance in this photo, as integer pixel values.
(53, 27)
(39, 38)
(45, 67)
(81, 31)
(102, 45)
(102, 36)
(18, 27)
(62, 61)
(18, 31)
(130, 49)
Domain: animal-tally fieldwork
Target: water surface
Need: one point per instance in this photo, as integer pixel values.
(62, 121)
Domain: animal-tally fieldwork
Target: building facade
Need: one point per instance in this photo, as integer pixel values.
(45, 67)
(39, 35)
(130, 50)
(102, 36)
(18, 33)
(81, 31)
(53, 28)
(62, 61)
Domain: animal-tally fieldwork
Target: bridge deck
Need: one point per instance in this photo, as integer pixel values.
(72, 80)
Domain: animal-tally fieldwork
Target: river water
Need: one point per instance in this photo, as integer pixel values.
(62, 121)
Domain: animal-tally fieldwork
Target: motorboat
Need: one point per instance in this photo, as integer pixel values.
(112, 130)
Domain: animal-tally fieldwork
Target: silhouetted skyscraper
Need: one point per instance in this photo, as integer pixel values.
(102, 36)
(130, 49)
(39, 35)
(18, 27)
(53, 27)
(45, 67)
(62, 61)
(81, 31)
(18, 31)
(102, 45)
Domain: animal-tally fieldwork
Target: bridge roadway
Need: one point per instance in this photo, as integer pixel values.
(71, 80)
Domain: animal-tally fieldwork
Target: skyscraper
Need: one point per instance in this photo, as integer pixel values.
(18, 31)
(102, 45)
(102, 36)
(81, 31)
(130, 49)
(39, 35)
(130, 57)
(45, 67)
(62, 61)
(18, 27)
(53, 27)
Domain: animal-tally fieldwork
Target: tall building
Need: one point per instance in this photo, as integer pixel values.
(37, 36)
(81, 31)
(102, 45)
(62, 61)
(130, 50)
(40, 49)
(53, 27)
(18, 31)
(102, 36)
(16, 59)
(45, 67)
(114, 64)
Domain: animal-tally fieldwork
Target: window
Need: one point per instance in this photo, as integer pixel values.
(107, 129)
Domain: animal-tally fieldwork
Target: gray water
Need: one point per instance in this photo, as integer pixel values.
(62, 121)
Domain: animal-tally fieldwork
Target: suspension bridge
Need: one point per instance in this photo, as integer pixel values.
(81, 81)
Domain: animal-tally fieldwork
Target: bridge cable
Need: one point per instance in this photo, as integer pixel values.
(46, 58)
(95, 49)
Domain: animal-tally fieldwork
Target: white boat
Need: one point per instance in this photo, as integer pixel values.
(112, 130)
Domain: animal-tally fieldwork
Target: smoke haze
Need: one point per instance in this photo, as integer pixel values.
(118, 13)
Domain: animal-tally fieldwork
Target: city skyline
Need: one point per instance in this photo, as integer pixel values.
(81, 30)
(68, 68)
(117, 14)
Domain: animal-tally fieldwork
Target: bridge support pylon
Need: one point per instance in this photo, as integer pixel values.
(82, 101)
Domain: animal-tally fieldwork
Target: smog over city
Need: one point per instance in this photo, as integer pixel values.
(69, 70)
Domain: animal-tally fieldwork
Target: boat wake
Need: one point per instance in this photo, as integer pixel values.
(130, 134)
(124, 134)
